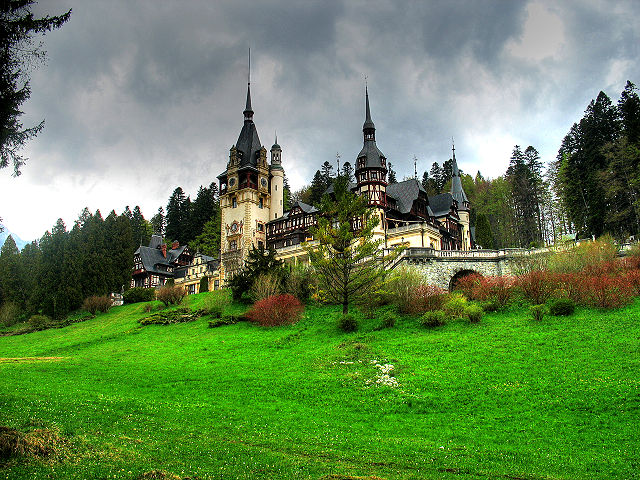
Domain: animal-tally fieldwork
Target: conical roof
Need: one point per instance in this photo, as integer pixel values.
(457, 192)
(248, 144)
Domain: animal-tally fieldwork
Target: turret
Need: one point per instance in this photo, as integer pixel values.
(277, 182)
(457, 192)
(371, 164)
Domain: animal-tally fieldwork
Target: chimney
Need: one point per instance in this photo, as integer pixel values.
(164, 250)
(175, 245)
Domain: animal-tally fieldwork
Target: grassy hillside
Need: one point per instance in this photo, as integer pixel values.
(508, 398)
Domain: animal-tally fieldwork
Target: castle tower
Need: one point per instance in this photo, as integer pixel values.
(371, 164)
(457, 192)
(277, 182)
(245, 198)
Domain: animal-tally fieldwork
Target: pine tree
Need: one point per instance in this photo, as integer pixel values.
(484, 237)
(158, 223)
(346, 259)
(391, 174)
(11, 285)
(176, 217)
(347, 171)
(317, 189)
(437, 174)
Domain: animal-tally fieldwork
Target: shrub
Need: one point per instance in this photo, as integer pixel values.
(586, 255)
(402, 285)
(632, 278)
(216, 304)
(265, 285)
(181, 315)
(537, 286)
(301, 282)
(562, 306)
(276, 310)
(604, 291)
(139, 294)
(424, 298)
(170, 282)
(224, 321)
(40, 322)
(572, 286)
(490, 306)
(474, 313)
(538, 311)
(455, 305)
(147, 307)
(388, 321)
(347, 323)
(96, 304)
(469, 286)
(9, 314)
(432, 319)
(204, 284)
(170, 295)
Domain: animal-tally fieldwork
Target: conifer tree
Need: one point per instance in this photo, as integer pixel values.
(346, 259)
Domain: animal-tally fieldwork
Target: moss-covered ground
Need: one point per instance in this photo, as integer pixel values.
(507, 398)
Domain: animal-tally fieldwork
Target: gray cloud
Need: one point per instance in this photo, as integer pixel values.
(149, 94)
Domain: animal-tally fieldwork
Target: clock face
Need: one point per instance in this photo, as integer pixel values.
(263, 182)
(232, 181)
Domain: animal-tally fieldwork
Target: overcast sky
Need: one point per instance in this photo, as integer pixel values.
(141, 97)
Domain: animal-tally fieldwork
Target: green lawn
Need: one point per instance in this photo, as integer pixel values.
(508, 398)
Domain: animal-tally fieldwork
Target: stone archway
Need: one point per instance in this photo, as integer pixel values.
(461, 274)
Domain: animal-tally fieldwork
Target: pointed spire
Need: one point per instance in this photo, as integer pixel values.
(456, 172)
(457, 191)
(248, 111)
(368, 123)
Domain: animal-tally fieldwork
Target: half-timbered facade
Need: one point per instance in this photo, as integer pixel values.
(155, 264)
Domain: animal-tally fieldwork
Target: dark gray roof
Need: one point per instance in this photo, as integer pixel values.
(153, 260)
(368, 123)
(156, 241)
(405, 193)
(456, 186)
(248, 144)
(372, 153)
(441, 204)
(306, 208)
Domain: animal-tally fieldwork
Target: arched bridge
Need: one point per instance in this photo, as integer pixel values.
(441, 267)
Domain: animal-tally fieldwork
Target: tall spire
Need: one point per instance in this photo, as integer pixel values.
(457, 191)
(248, 111)
(368, 129)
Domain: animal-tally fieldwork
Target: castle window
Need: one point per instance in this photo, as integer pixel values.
(233, 245)
(234, 202)
(260, 227)
(276, 188)
(260, 203)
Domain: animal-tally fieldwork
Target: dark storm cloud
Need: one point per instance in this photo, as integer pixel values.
(153, 91)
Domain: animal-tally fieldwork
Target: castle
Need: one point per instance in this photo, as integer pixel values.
(252, 211)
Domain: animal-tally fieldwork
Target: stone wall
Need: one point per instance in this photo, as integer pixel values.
(441, 271)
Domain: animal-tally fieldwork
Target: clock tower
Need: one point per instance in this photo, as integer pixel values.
(246, 195)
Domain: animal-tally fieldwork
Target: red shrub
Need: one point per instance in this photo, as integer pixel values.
(632, 278)
(609, 267)
(469, 285)
(499, 289)
(538, 286)
(605, 291)
(424, 298)
(276, 310)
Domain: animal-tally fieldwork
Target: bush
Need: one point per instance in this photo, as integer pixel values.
(139, 294)
(588, 255)
(537, 286)
(476, 287)
(347, 323)
(265, 285)
(224, 321)
(562, 306)
(469, 286)
(276, 310)
(632, 277)
(538, 311)
(424, 298)
(432, 319)
(572, 286)
(402, 284)
(204, 284)
(604, 291)
(170, 295)
(490, 306)
(9, 314)
(96, 304)
(181, 315)
(455, 305)
(474, 313)
(216, 304)
(301, 282)
(40, 322)
(388, 321)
